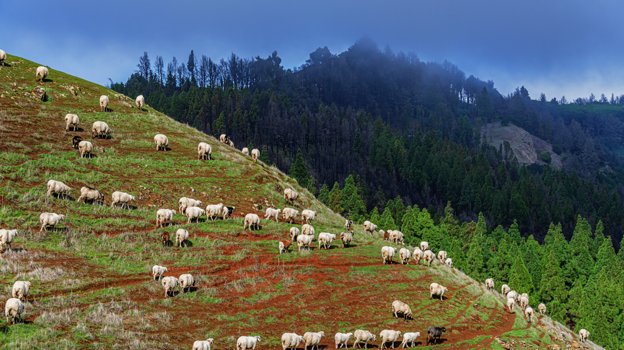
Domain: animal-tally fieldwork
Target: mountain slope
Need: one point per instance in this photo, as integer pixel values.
(91, 286)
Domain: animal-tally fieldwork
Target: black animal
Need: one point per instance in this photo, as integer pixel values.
(348, 224)
(434, 334)
(75, 141)
(230, 211)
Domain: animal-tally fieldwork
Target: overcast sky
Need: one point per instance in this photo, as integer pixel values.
(570, 47)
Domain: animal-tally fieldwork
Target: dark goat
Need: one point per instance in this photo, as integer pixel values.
(434, 334)
(164, 238)
(230, 211)
(75, 141)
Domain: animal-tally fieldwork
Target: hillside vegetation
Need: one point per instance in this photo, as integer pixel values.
(91, 283)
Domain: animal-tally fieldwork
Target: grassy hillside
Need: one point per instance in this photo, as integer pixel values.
(91, 286)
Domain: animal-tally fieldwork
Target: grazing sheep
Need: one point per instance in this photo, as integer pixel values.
(161, 142)
(76, 141)
(583, 334)
(308, 215)
(14, 308)
(224, 138)
(58, 187)
(369, 227)
(424, 246)
(244, 343)
(227, 212)
(230, 143)
(542, 308)
(255, 154)
(123, 198)
(428, 256)
(213, 211)
(294, 232)
(307, 230)
(289, 194)
(442, 256)
(505, 289)
(169, 283)
(342, 339)
(42, 73)
(304, 240)
(100, 129)
(528, 313)
(186, 281)
(312, 339)
(49, 219)
(272, 213)
(290, 215)
(524, 302)
(182, 237)
(489, 283)
(388, 335)
(90, 194)
(396, 236)
(291, 340)
(513, 294)
(511, 302)
(20, 289)
(283, 246)
(418, 254)
(404, 256)
(245, 151)
(449, 262)
(203, 344)
(434, 334)
(401, 307)
(326, 238)
(104, 103)
(361, 335)
(188, 202)
(71, 120)
(253, 220)
(164, 216)
(140, 102)
(2, 57)
(348, 224)
(194, 213)
(409, 339)
(437, 290)
(158, 270)
(164, 238)
(204, 151)
(386, 235)
(86, 148)
(346, 238)
(387, 254)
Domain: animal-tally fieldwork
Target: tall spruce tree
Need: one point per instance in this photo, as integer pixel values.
(335, 199)
(520, 278)
(552, 287)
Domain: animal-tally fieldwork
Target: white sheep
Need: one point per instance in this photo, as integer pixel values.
(194, 213)
(123, 198)
(513, 294)
(404, 256)
(387, 254)
(20, 289)
(511, 302)
(255, 154)
(583, 335)
(164, 216)
(90, 194)
(158, 270)
(524, 302)
(282, 247)
(438, 290)
(312, 339)
(100, 129)
(542, 308)
(42, 72)
(449, 262)
(342, 339)
(290, 195)
(308, 215)
(103, 103)
(161, 142)
(203, 344)
(182, 237)
(307, 230)
(428, 256)
(58, 187)
(399, 307)
(214, 210)
(224, 138)
(86, 148)
(418, 254)
(388, 335)
(140, 102)
(14, 308)
(272, 213)
(186, 281)
(365, 336)
(50, 219)
(188, 202)
(489, 283)
(244, 343)
(442, 256)
(304, 240)
(409, 339)
(291, 340)
(505, 289)
(2, 57)
(369, 227)
(71, 120)
(424, 246)
(169, 283)
(294, 233)
(326, 238)
(290, 215)
(346, 237)
(528, 313)
(245, 151)
(253, 221)
(204, 151)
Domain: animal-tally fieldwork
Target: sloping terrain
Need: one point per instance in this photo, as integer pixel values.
(91, 283)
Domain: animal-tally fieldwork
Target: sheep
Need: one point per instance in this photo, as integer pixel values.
(312, 339)
(304, 240)
(50, 219)
(307, 230)
(255, 154)
(542, 308)
(164, 216)
(442, 256)
(387, 253)
(253, 220)
(194, 213)
(91, 194)
(418, 254)
(123, 198)
(283, 246)
(524, 302)
(169, 284)
(290, 215)
(326, 238)
(272, 213)
(342, 339)
(224, 138)
(188, 202)
(348, 224)
(104, 103)
(294, 232)
(289, 194)
(2, 57)
(158, 270)
(409, 339)
(244, 343)
(291, 341)
(511, 302)
(434, 334)
(489, 283)
(71, 120)
(100, 129)
(186, 281)
(438, 290)
(388, 335)
(161, 142)
(20, 289)
(76, 141)
(505, 289)
(513, 294)
(528, 313)
(140, 102)
(583, 334)
(86, 148)
(203, 344)
(346, 238)
(396, 236)
(204, 151)
(164, 238)
(182, 237)
(42, 72)
(369, 227)
(401, 307)
(386, 235)
(308, 215)
(58, 187)
(14, 308)
(230, 143)
(245, 151)
(226, 212)
(424, 246)
(449, 262)
(361, 335)
(404, 256)
(213, 211)
(428, 256)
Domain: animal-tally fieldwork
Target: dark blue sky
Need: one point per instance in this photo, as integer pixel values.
(570, 48)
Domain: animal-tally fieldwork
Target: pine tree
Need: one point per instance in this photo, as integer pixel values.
(598, 239)
(580, 244)
(552, 287)
(264, 157)
(519, 277)
(218, 126)
(374, 216)
(386, 222)
(323, 196)
(335, 199)
(299, 170)
(474, 259)
(500, 264)
(428, 231)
